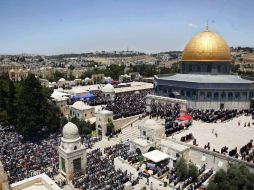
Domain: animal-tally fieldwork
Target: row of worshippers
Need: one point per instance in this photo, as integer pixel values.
(101, 174)
(26, 159)
(127, 104)
(165, 111)
(100, 99)
(211, 115)
(89, 141)
(246, 152)
(117, 150)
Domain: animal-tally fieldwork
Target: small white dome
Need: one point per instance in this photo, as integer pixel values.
(87, 79)
(81, 106)
(137, 92)
(150, 123)
(70, 131)
(108, 88)
(54, 83)
(61, 80)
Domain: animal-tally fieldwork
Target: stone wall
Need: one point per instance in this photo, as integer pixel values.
(214, 160)
(123, 122)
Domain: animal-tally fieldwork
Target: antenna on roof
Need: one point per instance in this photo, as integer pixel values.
(206, 28)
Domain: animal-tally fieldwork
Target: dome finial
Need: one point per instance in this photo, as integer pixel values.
(206, 27)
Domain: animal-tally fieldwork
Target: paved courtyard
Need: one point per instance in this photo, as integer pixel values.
(229, 133)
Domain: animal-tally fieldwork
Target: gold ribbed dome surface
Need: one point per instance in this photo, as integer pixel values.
(207, 47)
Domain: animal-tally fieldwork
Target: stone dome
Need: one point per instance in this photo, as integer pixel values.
(108, 88)
(150, 123)
(70, 131)
(87, 79)
(61, 80)
(80, 105)
(206, 47)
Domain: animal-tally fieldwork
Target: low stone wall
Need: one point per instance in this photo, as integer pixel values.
(212, 158)
(124, 122)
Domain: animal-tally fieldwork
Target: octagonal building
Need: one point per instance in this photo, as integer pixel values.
(205, 80)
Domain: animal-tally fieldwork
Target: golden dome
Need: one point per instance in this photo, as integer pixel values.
(206, 47)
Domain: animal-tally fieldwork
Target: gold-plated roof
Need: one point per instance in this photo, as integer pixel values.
(206, 47)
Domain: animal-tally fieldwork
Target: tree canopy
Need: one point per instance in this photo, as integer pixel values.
(25, 105)
(236, 177)
(185, 170)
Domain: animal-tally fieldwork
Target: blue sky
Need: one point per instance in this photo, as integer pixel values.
(74, 26)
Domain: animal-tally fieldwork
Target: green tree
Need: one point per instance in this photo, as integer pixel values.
(84, 127)
(11, 111)
(110, 125)
(36, 115)
(192, 170)
(182, 168)
(235, 178)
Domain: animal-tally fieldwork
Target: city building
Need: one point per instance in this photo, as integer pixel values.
(205, 80)
(18, 74)
(82, 111)
(72, 153)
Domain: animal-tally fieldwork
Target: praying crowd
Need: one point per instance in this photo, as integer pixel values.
(211, 116)
(26, 159)
(101, 173)
(128, 104)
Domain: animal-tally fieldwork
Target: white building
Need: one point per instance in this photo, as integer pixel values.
(61, 83)
(61, 102)
(38, 182)
(109, 91)
(102, 118)
(152, 131)
(72, 153)
(82, 111)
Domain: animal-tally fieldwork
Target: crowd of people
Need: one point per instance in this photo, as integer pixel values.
(127, 104)
(211, 115)
(117, 150)
(26, 159)
(101, 173)
(89, 141)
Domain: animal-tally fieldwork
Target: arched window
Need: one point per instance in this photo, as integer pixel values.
(237, 95)
(223, 95)
(230, 96)
(75, 147)
(209, 95)
(216, 96)
(202, 95)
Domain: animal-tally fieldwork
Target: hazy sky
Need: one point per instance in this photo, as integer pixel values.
(74, 26)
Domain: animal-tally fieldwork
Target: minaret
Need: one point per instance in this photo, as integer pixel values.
(72, 153)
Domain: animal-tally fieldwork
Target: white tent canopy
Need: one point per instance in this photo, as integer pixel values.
(156, 156)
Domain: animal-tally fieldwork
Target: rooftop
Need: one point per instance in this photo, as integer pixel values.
(206, 78)
(38, 182)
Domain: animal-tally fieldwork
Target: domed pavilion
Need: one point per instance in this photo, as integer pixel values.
(205, 80)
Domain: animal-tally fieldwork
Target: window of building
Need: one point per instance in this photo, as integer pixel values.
(230, 96)
(144, 133)
(188, 93)
(223, 95)
(77, 165)
(216, 96)
(209, 95)
(202, 95)
(182, 92)
(63, 164)
(237, 95)
(244, 95)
